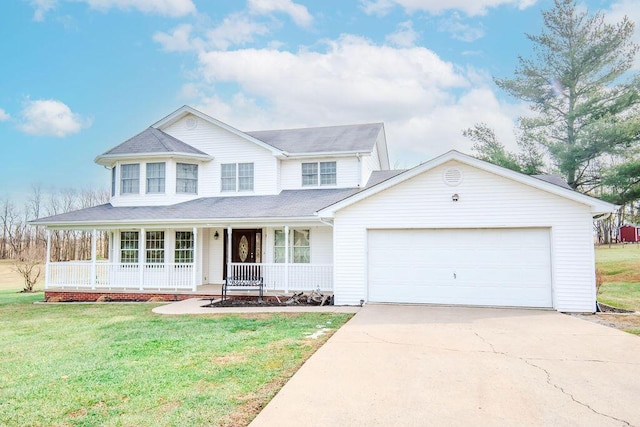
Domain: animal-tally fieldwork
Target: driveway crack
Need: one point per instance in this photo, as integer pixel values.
(549, 380)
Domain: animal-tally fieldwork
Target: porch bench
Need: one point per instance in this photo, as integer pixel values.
(243, 283)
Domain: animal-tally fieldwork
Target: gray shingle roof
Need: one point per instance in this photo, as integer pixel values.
(287, 204)
(152, 140)
(348, 138)
(554, 179)
(379, 176)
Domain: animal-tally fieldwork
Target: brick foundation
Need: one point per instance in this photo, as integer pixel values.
(93, 296)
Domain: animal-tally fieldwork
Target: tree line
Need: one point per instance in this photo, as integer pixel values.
(20, 241)
(584, 119)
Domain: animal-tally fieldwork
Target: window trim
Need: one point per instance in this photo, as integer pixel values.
(318, 174)
(161, 180)
(292, 245)
(237, 177)
(123, 178)
(189, 251)
(180, 179)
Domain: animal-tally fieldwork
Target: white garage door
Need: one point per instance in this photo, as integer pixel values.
(498, 267)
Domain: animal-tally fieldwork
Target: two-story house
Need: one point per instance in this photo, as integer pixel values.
(194, 200)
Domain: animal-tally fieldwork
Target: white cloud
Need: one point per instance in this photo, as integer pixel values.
(41, 8)
(4, 116)
(49, 117)
(404, 36)
(235, 29)
(631, 9)
(297, 12)
(179, 40)
(171, 8)
(425, 102)
(469, 7)
(459, 30)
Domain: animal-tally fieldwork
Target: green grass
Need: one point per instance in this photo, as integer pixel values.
(619, 267)
(121, 365)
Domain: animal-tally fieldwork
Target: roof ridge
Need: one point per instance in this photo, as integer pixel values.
(160, 140)
(315, 127)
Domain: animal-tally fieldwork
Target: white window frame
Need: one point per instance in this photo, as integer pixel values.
(126, 177)
(314, 174)
(183, 246)
(154, 247)
(156, 184)
(130, 246)
(292, 245)
(185, 180)
(237, 177)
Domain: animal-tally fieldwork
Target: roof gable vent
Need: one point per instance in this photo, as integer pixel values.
(452, 177)
(191, 122)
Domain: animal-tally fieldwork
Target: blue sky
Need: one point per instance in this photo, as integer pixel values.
(81, 76)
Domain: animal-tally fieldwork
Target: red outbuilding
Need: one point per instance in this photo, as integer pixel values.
(629, 233)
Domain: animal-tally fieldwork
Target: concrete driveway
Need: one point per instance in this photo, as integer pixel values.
(395, 365)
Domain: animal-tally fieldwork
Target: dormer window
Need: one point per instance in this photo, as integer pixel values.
(236, 177)
(322, 173)
(155, 177)
(186, 178)
(130, 178)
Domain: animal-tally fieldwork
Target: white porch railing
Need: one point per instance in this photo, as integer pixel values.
(112, 275)
(288, 277)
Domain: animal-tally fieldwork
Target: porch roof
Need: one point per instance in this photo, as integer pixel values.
(288, 204)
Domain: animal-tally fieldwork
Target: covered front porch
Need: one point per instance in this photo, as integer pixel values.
(180, 261)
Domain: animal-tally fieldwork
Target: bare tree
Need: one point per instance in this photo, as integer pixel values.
(27, 265)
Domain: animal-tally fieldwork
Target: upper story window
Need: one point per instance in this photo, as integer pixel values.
(155, 177)
(113, 181)
(322, 173)
(130, 179)
(186, 178)
(236, 177)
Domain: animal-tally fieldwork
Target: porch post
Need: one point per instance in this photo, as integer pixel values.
(48, 261)
(228, 251)
(194, 274)
(286, 259)
(93, 258)
(142, 244)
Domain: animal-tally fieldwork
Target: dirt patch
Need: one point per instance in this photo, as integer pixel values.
(614, 320)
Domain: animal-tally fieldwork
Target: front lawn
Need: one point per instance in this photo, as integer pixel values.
(619, 266)
(120, 364)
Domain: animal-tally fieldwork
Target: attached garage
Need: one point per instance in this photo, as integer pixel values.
(495, 267)
(458, 230)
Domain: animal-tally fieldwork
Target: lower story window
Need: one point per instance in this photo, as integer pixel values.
(129, 246)
(184, 246)
(155, 247)
(299, 246)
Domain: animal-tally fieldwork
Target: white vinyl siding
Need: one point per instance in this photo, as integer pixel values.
(227, 148)
(293, 175)
(486, 200)
(130, 178)
(155, 177)
(186, 178)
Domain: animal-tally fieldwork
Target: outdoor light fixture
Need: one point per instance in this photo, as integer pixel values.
(455, 197)
(216, 235)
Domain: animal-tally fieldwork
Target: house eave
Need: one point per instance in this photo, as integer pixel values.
(110, 159)
(597, 207)
(185, 109)
(295, 156)
(175, 222)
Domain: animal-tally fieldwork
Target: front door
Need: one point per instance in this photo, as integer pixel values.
(246, 247)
